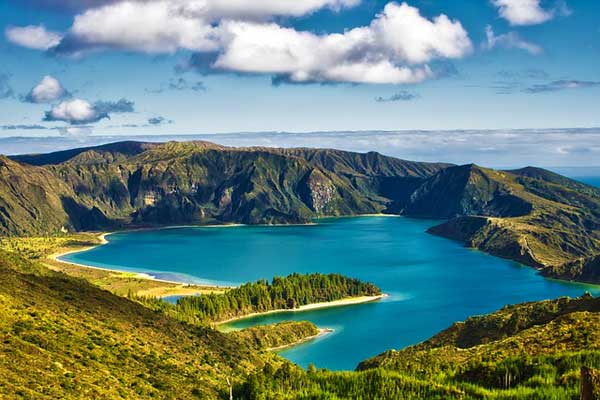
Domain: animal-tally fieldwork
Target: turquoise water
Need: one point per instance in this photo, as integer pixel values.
(432, 282)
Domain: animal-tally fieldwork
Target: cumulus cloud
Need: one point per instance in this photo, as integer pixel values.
(180, 84)
(394, 48)
(522, 12)
(244, 9)
(6, 90)
(47, 91)
(510, 40)
(400, 96)
(76, 111)
(563, 84)
(152, 27)
(35, 37)
(79, 111)
(236, 36)
(164, 26)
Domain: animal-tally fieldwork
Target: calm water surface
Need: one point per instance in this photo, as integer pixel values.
(432, 281)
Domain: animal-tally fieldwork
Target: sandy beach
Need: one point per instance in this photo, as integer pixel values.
(336, 303)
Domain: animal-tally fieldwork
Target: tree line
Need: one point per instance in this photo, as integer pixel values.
(282, 293)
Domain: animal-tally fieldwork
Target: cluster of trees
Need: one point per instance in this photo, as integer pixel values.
(290, 292)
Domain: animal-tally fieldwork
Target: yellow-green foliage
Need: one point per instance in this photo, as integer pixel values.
(277, 335)
(65, 338)
(42, 246)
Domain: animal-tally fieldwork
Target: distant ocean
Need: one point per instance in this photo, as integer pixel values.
(590, 180)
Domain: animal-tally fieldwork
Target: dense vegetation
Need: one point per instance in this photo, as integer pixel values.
(286, 293)
(65, 338)
(277, 335)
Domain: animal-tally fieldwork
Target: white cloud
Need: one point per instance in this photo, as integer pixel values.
(164, 26)
(393, 49)
(48, 90)
(153, 27)
(247, 10)
(510, 40)
(76, 111)
(33, 37)
(523, 12)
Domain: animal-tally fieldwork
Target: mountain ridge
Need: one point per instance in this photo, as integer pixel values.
(529, 215)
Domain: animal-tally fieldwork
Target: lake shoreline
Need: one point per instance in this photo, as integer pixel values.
(182, 288)
(143, 275)
(348, 301)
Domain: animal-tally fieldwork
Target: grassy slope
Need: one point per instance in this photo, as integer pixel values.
(66, 338)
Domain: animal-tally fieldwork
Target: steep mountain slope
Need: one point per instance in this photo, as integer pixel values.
(65, 338)
(33, 201)
(466, 190)
(200, 182)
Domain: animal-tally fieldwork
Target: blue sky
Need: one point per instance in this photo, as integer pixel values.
(493, 64)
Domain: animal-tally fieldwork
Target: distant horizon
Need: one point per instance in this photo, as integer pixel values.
(557, 148)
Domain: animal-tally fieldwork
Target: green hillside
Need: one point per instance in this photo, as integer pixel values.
(65, 338)
(529, 215)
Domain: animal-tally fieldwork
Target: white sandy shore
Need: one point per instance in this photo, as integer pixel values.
(336, 303)
(139, 275)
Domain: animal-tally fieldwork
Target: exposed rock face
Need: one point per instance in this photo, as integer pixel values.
(318, 191)
(585, 269)
(198, 182)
